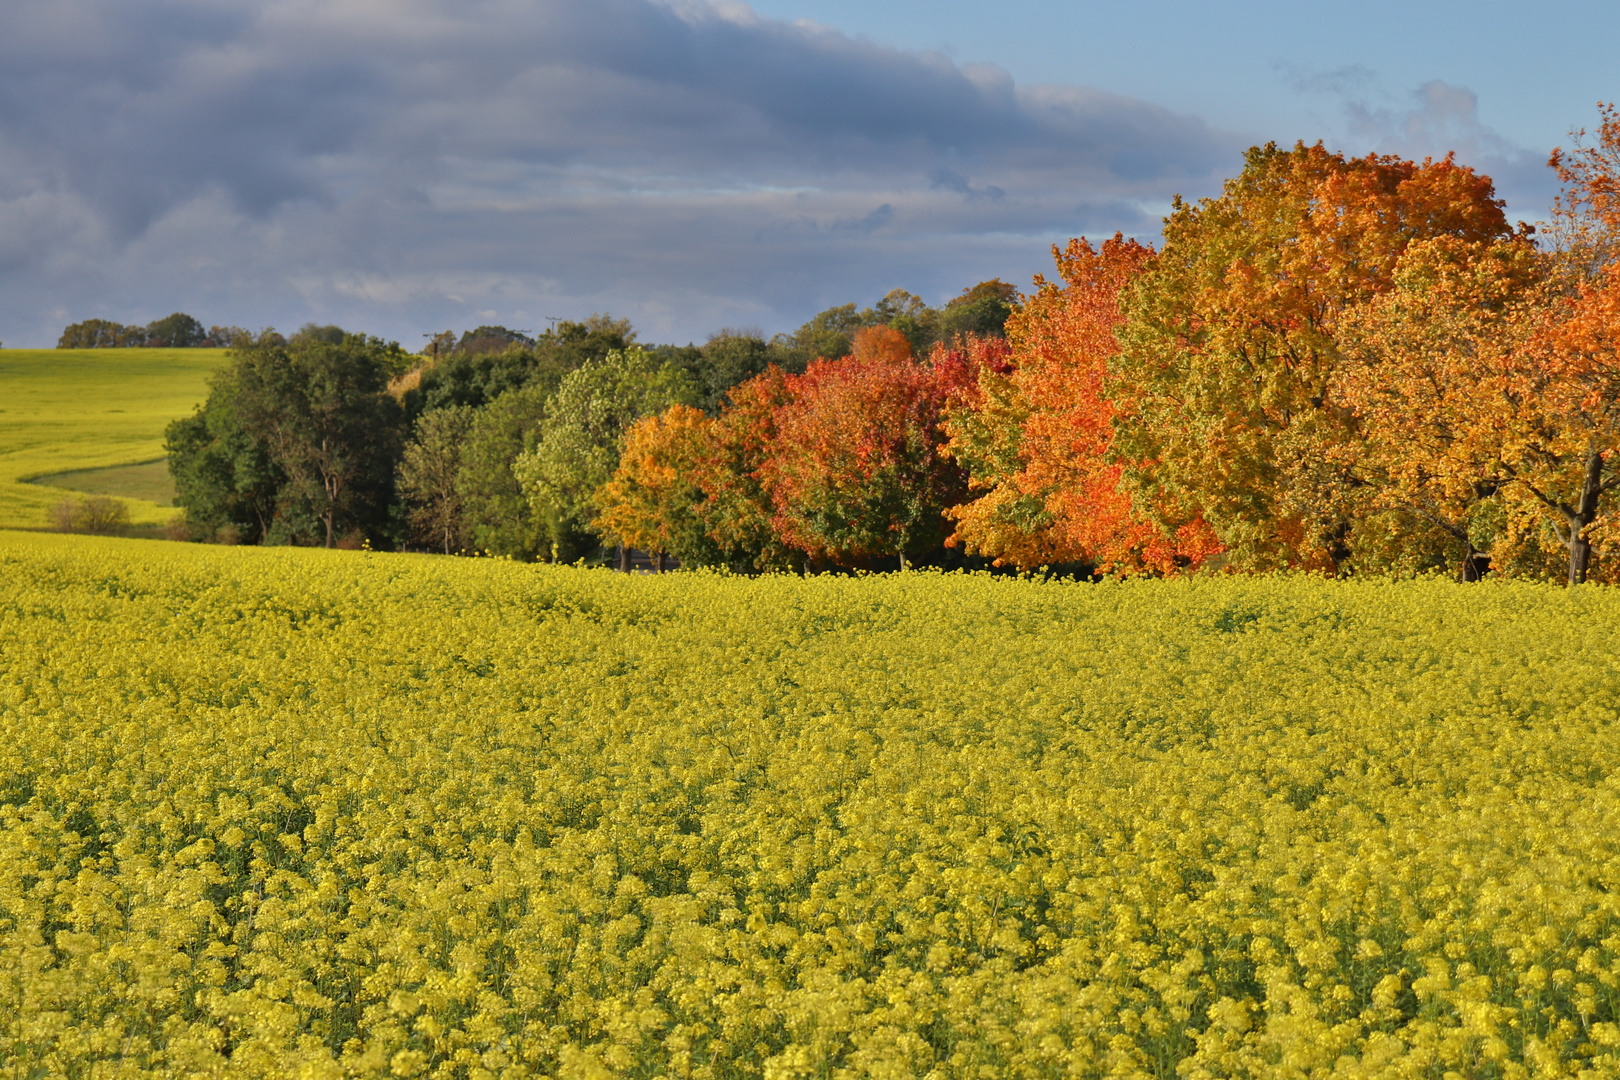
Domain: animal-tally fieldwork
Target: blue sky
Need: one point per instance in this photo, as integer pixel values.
(408, 166)
(1537, 68)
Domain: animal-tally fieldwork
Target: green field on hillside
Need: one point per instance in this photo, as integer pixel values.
(290, 812)
(80, 411)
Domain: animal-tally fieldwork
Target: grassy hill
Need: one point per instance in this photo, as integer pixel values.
(92, 420)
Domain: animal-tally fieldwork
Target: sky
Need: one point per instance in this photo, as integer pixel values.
(402, 167)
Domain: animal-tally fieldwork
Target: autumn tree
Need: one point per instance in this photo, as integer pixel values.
(1231, 339)
(1586, 216)
(1562, 449)
(855, 470)
(653, 500)
(1037, 432)
(1427, 374)
(1568, 384)
(689, 484)
(738, 511)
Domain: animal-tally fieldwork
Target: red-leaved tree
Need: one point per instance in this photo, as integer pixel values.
(1037, 433)
(854, 469)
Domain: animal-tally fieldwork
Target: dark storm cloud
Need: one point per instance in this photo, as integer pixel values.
(409, 163)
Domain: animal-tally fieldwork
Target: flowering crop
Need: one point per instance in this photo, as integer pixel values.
(272, 812)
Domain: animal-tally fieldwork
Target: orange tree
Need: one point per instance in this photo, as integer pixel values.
(1036, 432)
(1486, 383)
(854, 470)
(1553, 407)
(688, 484)
(1569, 383)
(1231, 338)
(652, 501)
(1426, 372)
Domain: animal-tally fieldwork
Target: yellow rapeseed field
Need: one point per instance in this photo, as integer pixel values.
(272, 813)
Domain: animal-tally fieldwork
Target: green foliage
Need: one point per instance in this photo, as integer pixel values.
(982, 309)
(828, 334)
(487, 339)
(224, 477)
(728, 359)
(490, 361)
(578, 442)
(99, 334)
(306, 419)
(496, 515)
(314, 333)
(279, 813)
(177, 331)
(476, 379)
(429, 474)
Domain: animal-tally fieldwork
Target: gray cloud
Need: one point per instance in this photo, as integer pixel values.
(407, 166)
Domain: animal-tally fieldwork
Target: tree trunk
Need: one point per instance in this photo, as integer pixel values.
(330, 542)
(1580, 516)
(1580, 556)
(1475, 565)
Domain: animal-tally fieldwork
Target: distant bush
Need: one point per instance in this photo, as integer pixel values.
(99, 514)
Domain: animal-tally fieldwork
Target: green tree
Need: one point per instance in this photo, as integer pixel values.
(99, 334)
(429, 471)
(314, 332)
(831, 334)
(177, 331)
(492, 339)
(227, 337)
(473, 380)
(906, 312)
(476, 375)
(728, 359)
(224, 477)
(321, 410)
(982, 309)
(495, 514)
(580, 438)
(827, 335)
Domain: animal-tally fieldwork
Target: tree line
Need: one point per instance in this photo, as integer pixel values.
(177, 331)
(495, 441)
(1340, 365)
